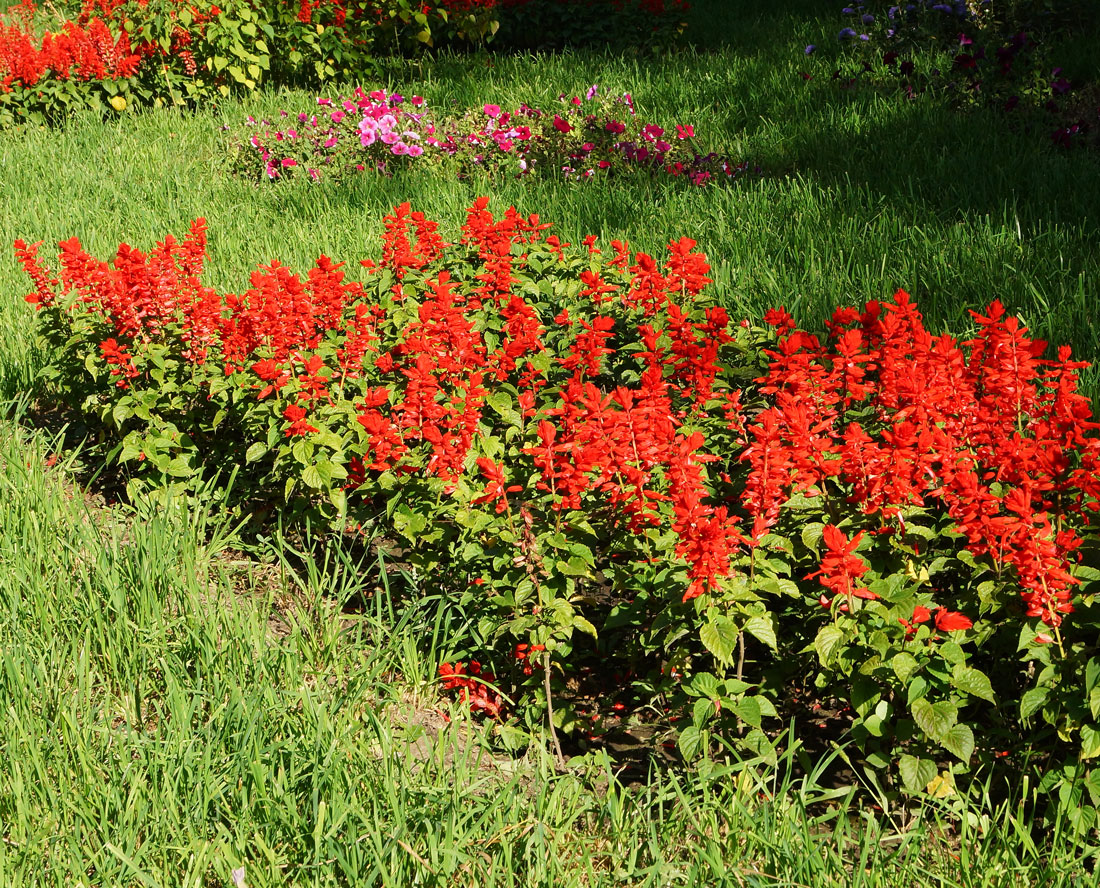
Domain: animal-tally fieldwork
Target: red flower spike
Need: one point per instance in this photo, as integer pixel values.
(951, 621)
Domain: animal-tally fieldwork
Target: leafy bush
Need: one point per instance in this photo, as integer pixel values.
(114, 53)
(592, 460)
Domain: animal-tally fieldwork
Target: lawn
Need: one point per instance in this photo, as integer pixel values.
(189, 705)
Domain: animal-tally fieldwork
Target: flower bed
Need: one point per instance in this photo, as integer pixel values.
(589, 138)
(991, 59)
(591, 459)
(113, 54)
(116, 53)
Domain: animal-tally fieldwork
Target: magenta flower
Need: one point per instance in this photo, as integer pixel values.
(492, 111)
(685, 132)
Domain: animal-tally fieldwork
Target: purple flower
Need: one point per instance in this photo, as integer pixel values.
(846, 34)
(868, 19)
(811, 48)
(864, 37)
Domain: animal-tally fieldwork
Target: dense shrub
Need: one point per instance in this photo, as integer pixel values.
(118, 52)
(590, 458)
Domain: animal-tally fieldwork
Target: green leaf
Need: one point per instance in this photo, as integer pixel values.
(935, 719)
(959, 741)
(311, 477)
(829, 638)
(952, 652)
(873, 724)
(338, 499)
(916, 773)
(1032, 701)
(748, 710)
(719, 636)
(583, 625)
(574, 567)
(255, 452)
(1090, 742)
(1092, 673)
(762, 629)
(904, 665)
(702, 684)
(865, 695)
(811, 534)
(972, 681)
(408, 523)
(691, 742)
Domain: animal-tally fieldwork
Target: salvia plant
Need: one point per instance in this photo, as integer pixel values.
(598, 465)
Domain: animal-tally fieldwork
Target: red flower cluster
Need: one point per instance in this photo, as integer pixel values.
(945, 620)
(473, 685)
(88, 52)
(618, 405)
(901, 419)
